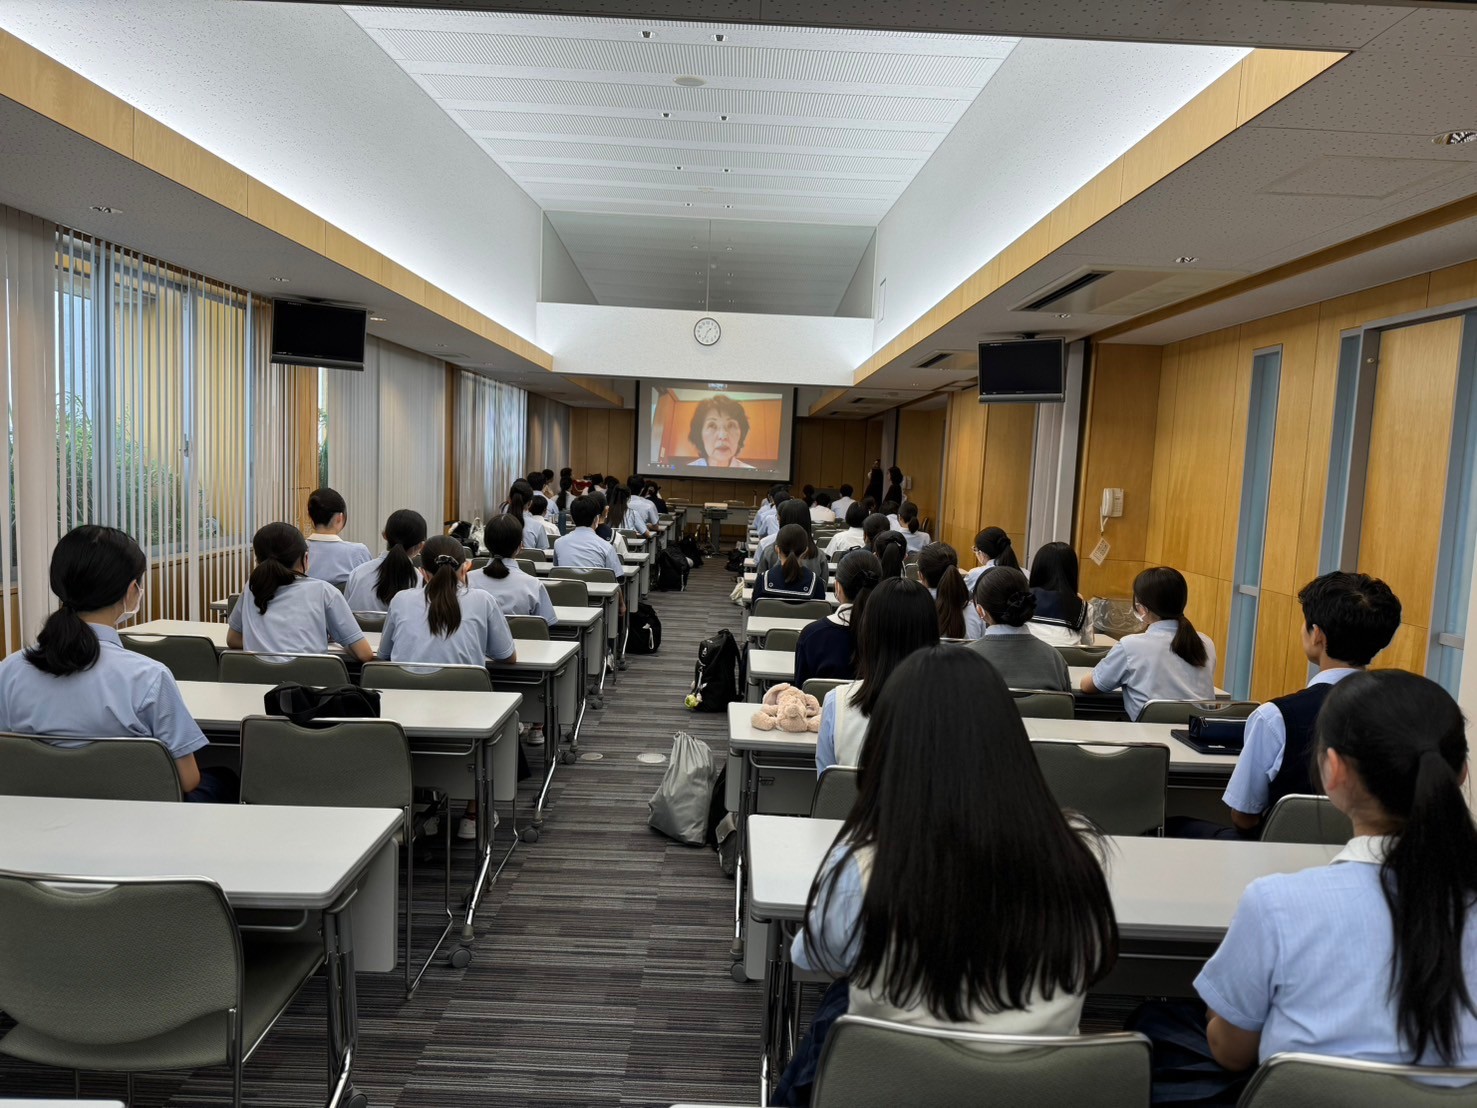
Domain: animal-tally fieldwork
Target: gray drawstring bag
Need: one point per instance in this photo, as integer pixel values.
(679, 807)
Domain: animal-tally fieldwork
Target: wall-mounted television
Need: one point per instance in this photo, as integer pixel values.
(318, 335)
(1025, 371)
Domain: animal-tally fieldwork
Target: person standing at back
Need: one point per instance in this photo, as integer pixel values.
(894, 491)
(334, 557)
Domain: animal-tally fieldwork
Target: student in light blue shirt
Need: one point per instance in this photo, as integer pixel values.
(517, 593)
(520, 497)
(1169, 661)
(446, 623)
(334, 557)
(766, 519)
(938, 568)
(907, 517)
(641, 505)
(287, 611)
(373, 585)
(582, 547)
(991, 548)
(78, 683)
(1374, 956)
(842, 502)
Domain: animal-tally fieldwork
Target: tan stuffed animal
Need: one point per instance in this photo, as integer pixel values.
(789, 709)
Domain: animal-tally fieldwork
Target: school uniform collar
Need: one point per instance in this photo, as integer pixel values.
(1163, 627)
(841, 616)
(106, 634)
(316, 537)
(1331, 676)
(1370, 849)
(1006, 629)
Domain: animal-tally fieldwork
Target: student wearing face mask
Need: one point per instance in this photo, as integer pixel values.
(78, 683)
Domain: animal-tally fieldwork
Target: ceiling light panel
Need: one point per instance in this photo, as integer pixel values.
(584, 113)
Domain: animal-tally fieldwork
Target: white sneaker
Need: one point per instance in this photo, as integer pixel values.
(534, 736)
(467, 829)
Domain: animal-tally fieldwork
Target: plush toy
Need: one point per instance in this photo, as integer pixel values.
(787, 708)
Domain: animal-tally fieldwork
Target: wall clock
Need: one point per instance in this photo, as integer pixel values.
(707, 331)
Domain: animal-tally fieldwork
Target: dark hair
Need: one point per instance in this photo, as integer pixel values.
(324, 504)
(278, 547)
(938, 565)
(808, 494)
(1357, 613)
(889, 507)
(794, 512)
(567, 471)
(566, 483)
(869, 503)
(535, 478)
(780, 497)
(892, 551)
(874, 525)
(633, 483)
(1005, 596)
(538, 505)
(442, 557)
(1162, 590)
(547, 474)
(899, 619)
(895, 474)
(519, 497)
(1404, 736)
(856, 514)
(91, 569)
(503, 536)
(823, 499)
(620, 504)
(404, 531)
(1054, 569)
(968, 862)
(722, 406)
(585, 510)
(845, 490)
(793, 544)
(995, 545)
(858, 573)
(908, 514)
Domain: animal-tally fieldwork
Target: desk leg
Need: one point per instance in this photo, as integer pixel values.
(777, 1018)
(482, 861)
(343, 1007)
(748, 801)
(551, 752)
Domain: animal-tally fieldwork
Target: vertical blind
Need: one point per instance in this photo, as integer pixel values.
(489, 435)
(548, 434)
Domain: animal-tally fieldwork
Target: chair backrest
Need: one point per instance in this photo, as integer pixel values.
(479, 561)
(83, 965)
(359, 763)
(322, 670)
(370, 621)
(630, 533)
(583, 573)
(1296, 1080)
(1121, 787)
(819, 686)
(107, 769)
(1044, 704)
(1306, 819)
(910, 570)
(835, 793)
(781, 638)
(792, 609)
(567, 593)
(188, 657)
(535, 554)
(525, 564)
(1083, 655)
(528, 627)
(1182, 711)
(869, 1063)
(425, 677)
(231, 599)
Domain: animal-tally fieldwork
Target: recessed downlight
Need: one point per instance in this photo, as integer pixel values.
(1064, 315)
(720, 38)
(283, 280)
(666, 115)
(648, 34)
(1186, 259)
(107, 209)
(377, 319)
(689, 82)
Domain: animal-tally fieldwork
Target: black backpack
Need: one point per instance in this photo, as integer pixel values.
(692, 552)
(735, 562)
(670, 570)
(718, 679)
(645, 631)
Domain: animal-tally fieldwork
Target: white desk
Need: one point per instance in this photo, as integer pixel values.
(548, 661)
(768, 667)
(216, 632)
(256, 853)
(642, 562)
(756, 627)
(750, 576)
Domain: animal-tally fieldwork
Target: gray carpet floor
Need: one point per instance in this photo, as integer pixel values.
(600, 975)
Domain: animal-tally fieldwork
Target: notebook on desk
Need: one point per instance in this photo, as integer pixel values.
(1213, 736)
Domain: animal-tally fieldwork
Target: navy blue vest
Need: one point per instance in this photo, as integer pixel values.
(1299, 716)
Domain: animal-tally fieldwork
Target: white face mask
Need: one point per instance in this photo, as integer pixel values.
(129, 613)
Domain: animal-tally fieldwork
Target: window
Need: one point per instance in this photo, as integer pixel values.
(1251, 534)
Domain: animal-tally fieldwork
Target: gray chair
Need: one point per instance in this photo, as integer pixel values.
(835, 793)
(910, 570)
(1044, 704)
(107, 769)
(243, 668)
(88, 983)
(370, 621)
(583, 573)
(1312, 1080)
(528, 627)
(525, 564)
(188, 657)
(1306, 819)
(535, 554)
(284, 764)
(479, 561)
(566, 593)
(781, 638)
(1083, 655)
(871, 1063)
(1182, 711)
(792, 609)
(426, 677)
(1121, 787)
(819, 686)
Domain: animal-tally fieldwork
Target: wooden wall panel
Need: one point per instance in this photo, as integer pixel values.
(602, 441)
(964, 454)
(920, 455)
(832, 452)
(1005, 476)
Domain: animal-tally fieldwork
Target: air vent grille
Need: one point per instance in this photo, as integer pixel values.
(1043, 302)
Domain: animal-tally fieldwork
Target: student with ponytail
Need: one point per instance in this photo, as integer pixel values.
(938, 566)
(1004, 601)
(827, 647)
(991, 548)
(517, 593)
(790, 578)
(892, 552)
(792, 513)
(373, 585)
(334, 557)
(78, 683)
(520, 496)
(446, 623)
(907, 517)
(284, 610)
(1373, 957)
(1061, 615)
(1170, 660)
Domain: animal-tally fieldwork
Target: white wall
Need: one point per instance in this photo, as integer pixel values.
(561, 279)
(301, 98)
(1053, 115)
(655, 343)
(857, 300)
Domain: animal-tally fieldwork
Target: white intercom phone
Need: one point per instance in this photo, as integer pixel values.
(1112, 504)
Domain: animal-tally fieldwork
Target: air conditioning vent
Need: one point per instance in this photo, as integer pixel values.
(949, 361)
(861, 399)
(933, 359)
(1041, 303)
(1127, 291)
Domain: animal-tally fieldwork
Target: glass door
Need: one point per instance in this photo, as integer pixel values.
(1251, 534)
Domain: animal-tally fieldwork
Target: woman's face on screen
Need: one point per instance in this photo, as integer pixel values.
(721, 437)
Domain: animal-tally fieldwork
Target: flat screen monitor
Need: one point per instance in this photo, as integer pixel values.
(318, 335)
(1026, 371)
(708, 429)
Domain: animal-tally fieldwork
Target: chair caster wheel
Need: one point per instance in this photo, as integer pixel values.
(460, 958)
(357, 1100)
(738, 973)
(529, 834)
(569, 757)
(596, 702)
